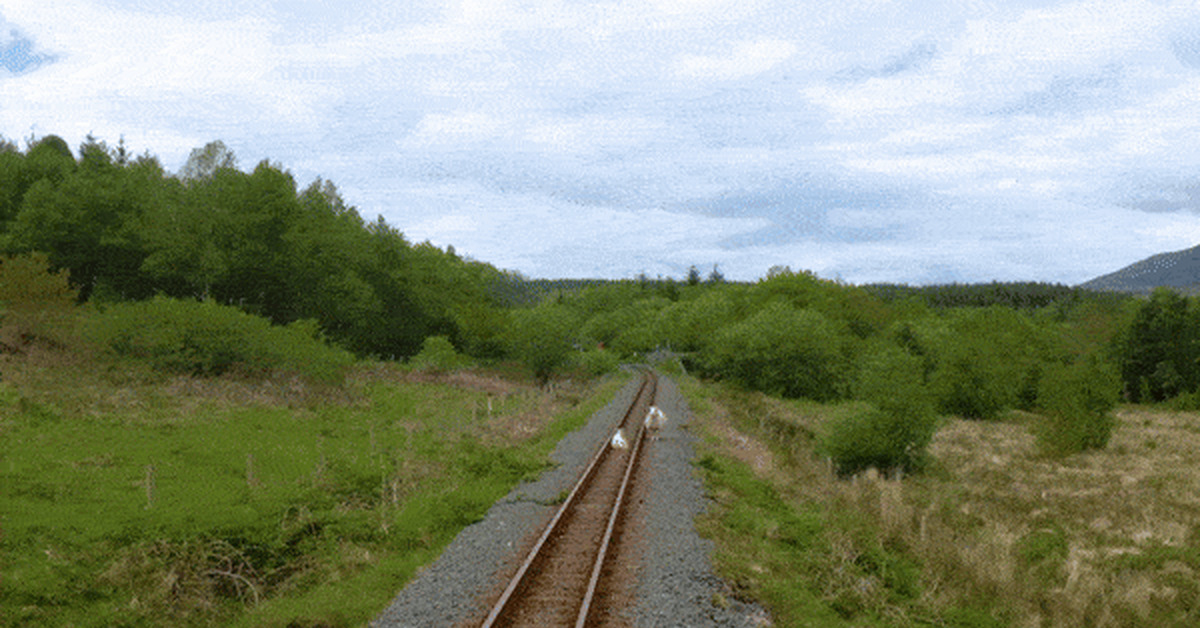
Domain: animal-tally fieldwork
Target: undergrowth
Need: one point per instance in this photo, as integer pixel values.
(992, 531)
(810, 562)
(166, 502)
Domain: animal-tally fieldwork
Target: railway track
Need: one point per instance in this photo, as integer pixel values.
(564, 575)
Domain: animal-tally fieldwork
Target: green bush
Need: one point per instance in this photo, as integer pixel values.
(1185, 402)
(439, 356)
(984, 360)
(895, 429)
(966, 388)
(1156, 352)
(781, 350)
(37, 302)
(205, 338)
(1077, 402)
(542, 338)
(673, 366)
(597, 361)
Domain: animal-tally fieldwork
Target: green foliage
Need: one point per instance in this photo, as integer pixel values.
(672, 366)
(49, 158)
(1157, 352)
(597, 362)
(11, 171)
(204, 162)
(984, 359)
(1185, 402)
(1014, 295)
(542, 338)
(321, 517)
(1077, 401)
(862, 313)
(439, 355)
(895, 430)
(208, 338)
(785, 351)
(38, 304)
(87, 222)
(689, 324)
(1042, 552)
(127, 230)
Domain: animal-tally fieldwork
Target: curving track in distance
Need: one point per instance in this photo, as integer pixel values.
(563, 576)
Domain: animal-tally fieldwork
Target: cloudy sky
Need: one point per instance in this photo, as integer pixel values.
(866, 140)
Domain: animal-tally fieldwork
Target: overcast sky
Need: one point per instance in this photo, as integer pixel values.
(870, 141)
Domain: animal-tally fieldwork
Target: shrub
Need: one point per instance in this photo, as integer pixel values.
(895, 429)
(1157, 350)
(1077, 402)
(205, 338)
(542, 338)
(597, 361)
(985, 360)
(966, 388)
(673, 366)
(1185, 402)
(438, 355)
(38, 304)
(781, 350)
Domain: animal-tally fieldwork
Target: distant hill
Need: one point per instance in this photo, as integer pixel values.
(1179, 270)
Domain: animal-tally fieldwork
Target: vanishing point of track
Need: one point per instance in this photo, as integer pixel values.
(564, 573)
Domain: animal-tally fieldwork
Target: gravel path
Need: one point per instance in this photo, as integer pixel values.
(675, 584)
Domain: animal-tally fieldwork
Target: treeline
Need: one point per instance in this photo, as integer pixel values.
(177, 266)
(514, 290)
(1020, 294)
(127, 230)
(910, 355)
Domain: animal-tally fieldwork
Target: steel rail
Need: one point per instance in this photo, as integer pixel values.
(584, 479)
(608, 531)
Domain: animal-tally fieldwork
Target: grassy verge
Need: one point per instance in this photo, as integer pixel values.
(214, 502)
(780, 539)
(994, 533)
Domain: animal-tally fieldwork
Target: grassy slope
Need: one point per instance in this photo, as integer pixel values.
(993, 534)
(138, 500)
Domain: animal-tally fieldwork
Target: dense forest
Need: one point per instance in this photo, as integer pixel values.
(126, 230)
(185, 269)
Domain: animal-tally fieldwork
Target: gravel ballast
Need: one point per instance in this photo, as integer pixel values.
(675, 583)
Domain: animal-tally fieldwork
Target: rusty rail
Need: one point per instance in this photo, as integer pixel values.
(519, 579)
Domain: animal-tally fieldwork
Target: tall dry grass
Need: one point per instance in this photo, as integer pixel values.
(1001, 531)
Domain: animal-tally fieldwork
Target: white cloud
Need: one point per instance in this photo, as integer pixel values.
(937, 134)
(152, 76)
(996, 59)
(624, 106)
(547, 237)
(455, 129)
(1058, 39)
(591, 133)
(745, 59)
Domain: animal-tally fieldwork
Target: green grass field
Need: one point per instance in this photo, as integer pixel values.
(178, 502)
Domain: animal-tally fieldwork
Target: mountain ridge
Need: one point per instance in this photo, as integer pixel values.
(1175, 269)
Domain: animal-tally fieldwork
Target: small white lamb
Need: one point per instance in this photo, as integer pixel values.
(618, 440)
(655, 419)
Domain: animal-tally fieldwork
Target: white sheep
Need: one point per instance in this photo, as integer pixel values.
(618, 440)
(655, 419)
